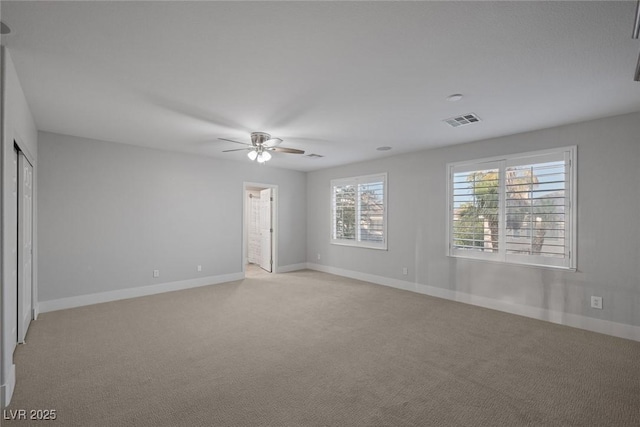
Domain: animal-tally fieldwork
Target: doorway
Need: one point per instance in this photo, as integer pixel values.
(23, 184)
(259, 235)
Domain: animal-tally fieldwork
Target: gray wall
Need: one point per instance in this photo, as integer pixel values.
(608, 227)
(17, 125)
(110, 214)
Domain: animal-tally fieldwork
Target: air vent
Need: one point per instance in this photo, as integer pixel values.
(314, 156)
(467, 119)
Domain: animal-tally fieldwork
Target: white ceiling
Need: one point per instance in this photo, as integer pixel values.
(333, 78)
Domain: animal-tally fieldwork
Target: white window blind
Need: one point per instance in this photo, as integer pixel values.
(358, 211)
(476, 208)
(516, 209)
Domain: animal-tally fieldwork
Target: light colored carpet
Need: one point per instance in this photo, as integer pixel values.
(312, 349)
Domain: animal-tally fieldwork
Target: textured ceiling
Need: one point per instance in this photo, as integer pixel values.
(333, 78)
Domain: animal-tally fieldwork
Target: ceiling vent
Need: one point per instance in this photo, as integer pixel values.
(467, 119)
(314, 156)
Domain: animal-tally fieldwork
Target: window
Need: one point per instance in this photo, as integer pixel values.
(359, 211)
(516, 209)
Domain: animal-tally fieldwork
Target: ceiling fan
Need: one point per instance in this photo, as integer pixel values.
(261, 144)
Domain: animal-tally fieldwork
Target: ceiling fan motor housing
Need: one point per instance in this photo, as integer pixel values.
(259, 138)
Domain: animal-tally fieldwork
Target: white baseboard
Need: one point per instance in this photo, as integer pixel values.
(82, 300)
(6, 390)
(292, 267)
(607, 327)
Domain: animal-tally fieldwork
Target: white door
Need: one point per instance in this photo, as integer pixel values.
(253, 242)
(10, 317)
(266, 229)
(25, 245)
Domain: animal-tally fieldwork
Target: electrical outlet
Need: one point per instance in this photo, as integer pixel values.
(199, 268)
(156, 273)
(405, 271)
(596, 302)
(319, 257)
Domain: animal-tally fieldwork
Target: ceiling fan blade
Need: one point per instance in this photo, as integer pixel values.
(237, 149)
(272, 142)
(286, 150)
(231, 140)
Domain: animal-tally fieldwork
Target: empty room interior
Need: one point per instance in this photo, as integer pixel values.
(320, 213)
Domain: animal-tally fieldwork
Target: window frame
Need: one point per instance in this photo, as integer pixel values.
(569, 262)
(356, 180)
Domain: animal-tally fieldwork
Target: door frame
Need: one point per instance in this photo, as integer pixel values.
(274, 222)
(22, 331)
(20, 148)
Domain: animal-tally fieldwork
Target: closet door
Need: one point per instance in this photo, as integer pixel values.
(25, 245)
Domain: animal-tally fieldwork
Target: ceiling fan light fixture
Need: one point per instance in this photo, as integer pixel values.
(260, 147)
(264, 157)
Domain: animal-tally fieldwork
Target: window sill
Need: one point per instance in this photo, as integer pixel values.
(517, 264)
(360, 245)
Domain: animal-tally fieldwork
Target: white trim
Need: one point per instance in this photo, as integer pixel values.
(6, 390)
(502, 162)
(360, 179)
(82, 300)
(357, 180)
(357, 244)
(274, 223)
(292, 267)
(512, 156)
(22, 330)
(607, 327)
(573, 206)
